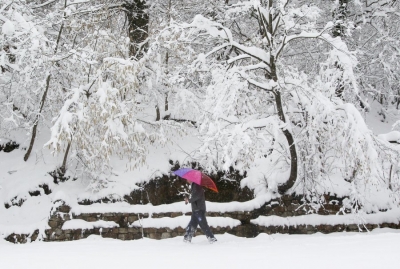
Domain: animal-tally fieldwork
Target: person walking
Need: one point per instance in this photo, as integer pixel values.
(198, 202)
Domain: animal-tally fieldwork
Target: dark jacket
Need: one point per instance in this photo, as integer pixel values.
(197, 198)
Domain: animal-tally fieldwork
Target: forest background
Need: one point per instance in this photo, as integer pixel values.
(99, 97)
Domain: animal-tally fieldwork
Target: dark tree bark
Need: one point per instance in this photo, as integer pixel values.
(158, 115)
(283, 188)
(340, 15)
(166, 102)
(138, 25)
(63, 167)
(35, 125)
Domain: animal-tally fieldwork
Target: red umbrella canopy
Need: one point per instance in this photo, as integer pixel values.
(197, 177)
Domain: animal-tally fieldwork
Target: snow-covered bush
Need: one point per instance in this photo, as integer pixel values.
(24, 63)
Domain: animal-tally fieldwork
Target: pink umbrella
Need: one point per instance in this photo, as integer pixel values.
(197, 177)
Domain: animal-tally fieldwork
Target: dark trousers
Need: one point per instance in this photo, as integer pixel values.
(198, 219)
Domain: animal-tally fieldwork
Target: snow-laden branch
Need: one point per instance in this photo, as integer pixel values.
(215, 29)
(64, 119)
(97, 8)
(44, 4)
(268, 86)
(254, 52)
(257, 66)
(216, 49)
(238, 58)
(259, 123)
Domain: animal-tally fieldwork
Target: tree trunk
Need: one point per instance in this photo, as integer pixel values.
(166, 102)
(340, 16)
(158, 115)
(269, 31)
(138, 25)
(282, 189)
(35, 125)
(292, 147)
(166, 72)
(63, 167)
(338, 30)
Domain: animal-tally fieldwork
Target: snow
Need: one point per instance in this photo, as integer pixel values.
(8, 28)
(377, 249)
(182, 221)
(391, 136)
(81, 224)
(24, 220)
(123, 207)
(390, 216)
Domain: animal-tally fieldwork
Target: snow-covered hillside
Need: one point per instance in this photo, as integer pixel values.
(18, 178)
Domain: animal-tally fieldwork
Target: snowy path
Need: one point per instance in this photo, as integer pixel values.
(378, 249)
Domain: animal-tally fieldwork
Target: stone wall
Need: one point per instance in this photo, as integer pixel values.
(126, 232)
(284, 207)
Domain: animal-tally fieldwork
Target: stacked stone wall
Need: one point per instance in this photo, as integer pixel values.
(286, 206)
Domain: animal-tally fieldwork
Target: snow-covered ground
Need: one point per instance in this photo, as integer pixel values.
(377, 249)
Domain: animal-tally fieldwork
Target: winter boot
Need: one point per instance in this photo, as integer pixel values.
(187, 238)
(190, 231)
(212, 240)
